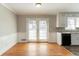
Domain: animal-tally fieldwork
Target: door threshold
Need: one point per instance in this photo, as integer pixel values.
(37, 42)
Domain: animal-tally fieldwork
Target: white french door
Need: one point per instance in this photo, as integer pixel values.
(32, 30)
(43, 32)
(37, 30)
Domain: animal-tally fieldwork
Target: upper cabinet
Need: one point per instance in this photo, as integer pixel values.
(65, 19)
(60, 20)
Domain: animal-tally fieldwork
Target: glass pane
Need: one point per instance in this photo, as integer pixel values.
(43, 30)
(70, 23)
(77, 21)
(32, 30)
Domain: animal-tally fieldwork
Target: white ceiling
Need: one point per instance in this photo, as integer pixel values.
(45, 9)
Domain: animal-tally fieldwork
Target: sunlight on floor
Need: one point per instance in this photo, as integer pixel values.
(37, 49)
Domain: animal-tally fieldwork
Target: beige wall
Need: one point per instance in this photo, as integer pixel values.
(8, 29)
(52, 29)
(21, 27)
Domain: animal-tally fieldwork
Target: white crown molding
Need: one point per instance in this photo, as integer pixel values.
(8, 8)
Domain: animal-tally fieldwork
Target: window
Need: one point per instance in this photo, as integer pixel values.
(71, 23)
(77, 21)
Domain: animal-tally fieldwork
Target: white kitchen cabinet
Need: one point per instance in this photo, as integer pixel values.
(63, 16)
(59, 38)
(75, 39)
(60, 20)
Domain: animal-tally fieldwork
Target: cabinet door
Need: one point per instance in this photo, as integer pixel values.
(75, 39)
(59, 39)
(60, 20)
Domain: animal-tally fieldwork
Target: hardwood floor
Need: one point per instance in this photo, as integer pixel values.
(37, 49)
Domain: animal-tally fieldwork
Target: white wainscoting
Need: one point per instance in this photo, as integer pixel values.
(6, 42)
(22, 35)
(52, 37)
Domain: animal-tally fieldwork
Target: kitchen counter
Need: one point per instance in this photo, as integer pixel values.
(67, 32)
(74, 37)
